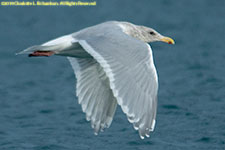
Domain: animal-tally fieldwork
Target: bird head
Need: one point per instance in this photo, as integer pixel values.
(150, 35)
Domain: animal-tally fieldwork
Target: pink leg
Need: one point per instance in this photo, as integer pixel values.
(41, 53)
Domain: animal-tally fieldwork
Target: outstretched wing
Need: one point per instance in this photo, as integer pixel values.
(93, 92)
(128, 63)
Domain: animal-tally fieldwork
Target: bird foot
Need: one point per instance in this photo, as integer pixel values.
(41, 53)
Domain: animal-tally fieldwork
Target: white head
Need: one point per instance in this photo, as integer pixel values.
(145, 34)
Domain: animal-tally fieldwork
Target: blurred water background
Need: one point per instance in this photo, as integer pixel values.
(38, 107)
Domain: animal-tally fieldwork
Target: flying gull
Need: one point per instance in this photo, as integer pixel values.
(113, 65)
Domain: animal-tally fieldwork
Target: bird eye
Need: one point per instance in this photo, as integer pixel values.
(152, 33)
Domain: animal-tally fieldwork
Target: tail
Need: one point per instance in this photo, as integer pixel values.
(64, 49)
(41, 50)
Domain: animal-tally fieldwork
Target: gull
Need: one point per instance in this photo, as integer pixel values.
(113, 64)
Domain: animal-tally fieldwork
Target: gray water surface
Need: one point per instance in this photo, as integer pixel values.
(38, 107)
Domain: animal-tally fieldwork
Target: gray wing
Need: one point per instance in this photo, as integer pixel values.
(128, 63)
(94, 93)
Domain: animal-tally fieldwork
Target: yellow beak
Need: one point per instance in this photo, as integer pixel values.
(167, 40)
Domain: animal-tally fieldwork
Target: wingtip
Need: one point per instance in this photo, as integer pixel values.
(142, 137)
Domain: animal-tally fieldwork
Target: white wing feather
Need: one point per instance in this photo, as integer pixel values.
(135, 87)
(93, 92)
